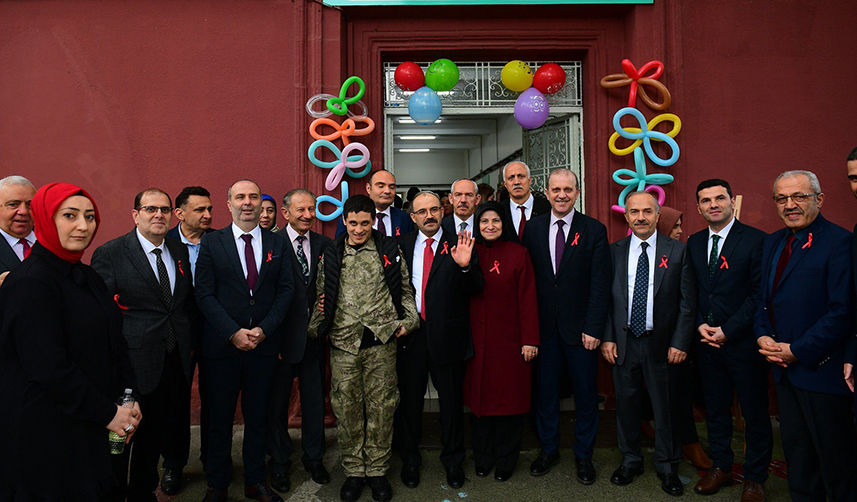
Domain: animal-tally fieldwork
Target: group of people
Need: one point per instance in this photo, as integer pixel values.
(497, 302)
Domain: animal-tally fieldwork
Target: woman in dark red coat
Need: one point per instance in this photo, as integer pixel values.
(505, 325)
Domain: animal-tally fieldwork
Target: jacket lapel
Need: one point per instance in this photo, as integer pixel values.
(227, 240)
(181, 268)
(726, 251)
(622, 268)
(802, 247)
(138, 259)
(7, 254)
(444, 248)
(572, 239)
(267, 255)
(663, 249)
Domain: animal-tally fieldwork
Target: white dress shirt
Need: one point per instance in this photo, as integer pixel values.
(256, 242)
(516, 213)
(293, 238)
(552, 234)
(15, 243)
(723, 233)
(192, 251)
(417, 272)
(458, 221)
(388, 223)
(148, 247)
(633, 256)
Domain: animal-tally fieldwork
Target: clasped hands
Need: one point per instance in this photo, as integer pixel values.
(247, 339)
(712, 336)
(778, 353)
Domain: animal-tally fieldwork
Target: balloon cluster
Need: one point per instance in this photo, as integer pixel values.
(344, 163)
(424, 105)
(531, 107)
(643, 135)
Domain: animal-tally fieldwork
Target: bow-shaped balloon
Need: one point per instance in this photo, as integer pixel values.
(339, 166)
(646, 135)
(339, 105)
(336, 202)
(638, 79)
(664, 117)
(345, 130)
(638, 179)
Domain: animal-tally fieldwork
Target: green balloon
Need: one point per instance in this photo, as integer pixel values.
(442, 75)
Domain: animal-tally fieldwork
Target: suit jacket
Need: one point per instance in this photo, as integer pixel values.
(575, 300)
(540, 206)
(851, 352)
(674, 297)
(733, 294)
(132, 283)
(8, 258)
(813, 306)
(400, 220)
(225, 300)
(447, 300)
(294, 328)
(197, 320)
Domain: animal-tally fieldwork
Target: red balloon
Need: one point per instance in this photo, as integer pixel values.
(549, 78)
(409, 76)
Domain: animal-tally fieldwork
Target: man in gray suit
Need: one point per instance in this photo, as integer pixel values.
(649, 328)
(16, 222)
(150, 279)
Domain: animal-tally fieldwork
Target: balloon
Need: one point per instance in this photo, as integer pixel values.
(345, 130)
(442, 75)
(644, 133)
(531, 109)
(409, 76)
(343, 190)
(517, 76)
(664, 117)
(549, 78)
(339, 105)
(637, 80)
(424, 106)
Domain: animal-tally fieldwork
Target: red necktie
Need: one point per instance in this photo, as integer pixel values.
(26, 247)
(523, 222)
(381, 226)
(250, 259)
(428, 257)
(782, 262)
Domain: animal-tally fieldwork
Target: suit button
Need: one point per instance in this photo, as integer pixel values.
(252, 302)
(711, 296)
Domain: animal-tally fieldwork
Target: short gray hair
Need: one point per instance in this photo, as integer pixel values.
(475, 186)
(503, 172)
(637, 192)
(420, 194)
(566, 172)
(287, 199)
(16, 180)
(813, 179)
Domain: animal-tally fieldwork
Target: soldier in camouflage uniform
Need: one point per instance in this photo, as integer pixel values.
(367, 302)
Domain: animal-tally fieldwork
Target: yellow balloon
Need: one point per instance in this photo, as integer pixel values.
(664, 117)
(517, 76)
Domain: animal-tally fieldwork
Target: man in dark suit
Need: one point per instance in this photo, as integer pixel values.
(649, 328)
(16, 222)
(464, 197)
(193, 210)
(389, 220)
(244, 288)
(727, 262)
(572, 267)
(302, 357)
(444, 273)
(149, 277)
(522, 204)
(804, 319)
(851, 355)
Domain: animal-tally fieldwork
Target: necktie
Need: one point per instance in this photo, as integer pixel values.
(428, 257)
(302, 258)
(712, 266)
(250, 259)
(523, 222)
(559, 245)
(783, 261)
(641, 293)
(381, 227)
(462, 227)
(166, 292)
(26, 247)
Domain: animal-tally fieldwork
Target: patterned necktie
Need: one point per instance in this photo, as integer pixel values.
(462, 227)
(302, 258)
(250, 258)
(523, 222)
(641, 293)
(559, 245)
(166, 292)
(26, 246)
(712, 266)
(381, 226)
(428, 258)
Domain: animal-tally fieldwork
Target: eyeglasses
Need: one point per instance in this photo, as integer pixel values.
(155, 209)
(797, 198)
(433, 210)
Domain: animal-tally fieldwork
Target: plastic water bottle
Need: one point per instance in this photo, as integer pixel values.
(117, 443)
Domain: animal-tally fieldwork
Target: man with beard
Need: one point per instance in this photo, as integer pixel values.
(464, 197)
(522, 204)
(389, 220)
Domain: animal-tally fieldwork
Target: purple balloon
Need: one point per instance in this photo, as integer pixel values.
(531, 109)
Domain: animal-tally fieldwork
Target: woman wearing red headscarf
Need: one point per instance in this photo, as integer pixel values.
(63, 361)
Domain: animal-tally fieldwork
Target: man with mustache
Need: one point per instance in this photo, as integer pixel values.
(389, 220)
(572, 267)
(16, 222)
(804, 318)
(522, 204)
(464, 197)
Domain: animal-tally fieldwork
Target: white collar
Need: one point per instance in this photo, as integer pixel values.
(724, 232)
(147, 244)
(421, 237)
(527, 203)
(256, 232)
(651, 241)
(293, 234)
(12, 240)
(567, 218)
(458, 221)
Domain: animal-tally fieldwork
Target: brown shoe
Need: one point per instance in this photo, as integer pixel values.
(713, 481)
(753, 492)
(696, 455)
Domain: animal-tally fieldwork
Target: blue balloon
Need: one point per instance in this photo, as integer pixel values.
(424, 106)
(343, 190)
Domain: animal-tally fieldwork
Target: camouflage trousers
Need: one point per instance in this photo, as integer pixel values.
(364, 395)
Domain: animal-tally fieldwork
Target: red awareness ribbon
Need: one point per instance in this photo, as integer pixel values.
(808, 242)
(116, 299)
(725, 263)
(663, 262)
(271, 252)
(576, 236)
(180, 268)
(397, 232)
(445, 249)
(386, 261)
(496, 267)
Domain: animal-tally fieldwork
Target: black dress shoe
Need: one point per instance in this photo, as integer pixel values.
(318, 474)
(542, 465)
(624, 475)
(455, 476)
(214, 495)
(671, 484)
(585, 471)
(280, 482)
(502, 475)
(482, 471)
(351, 489)
(261, 492)
(171, 482)
(411, 476)
(381, 489)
